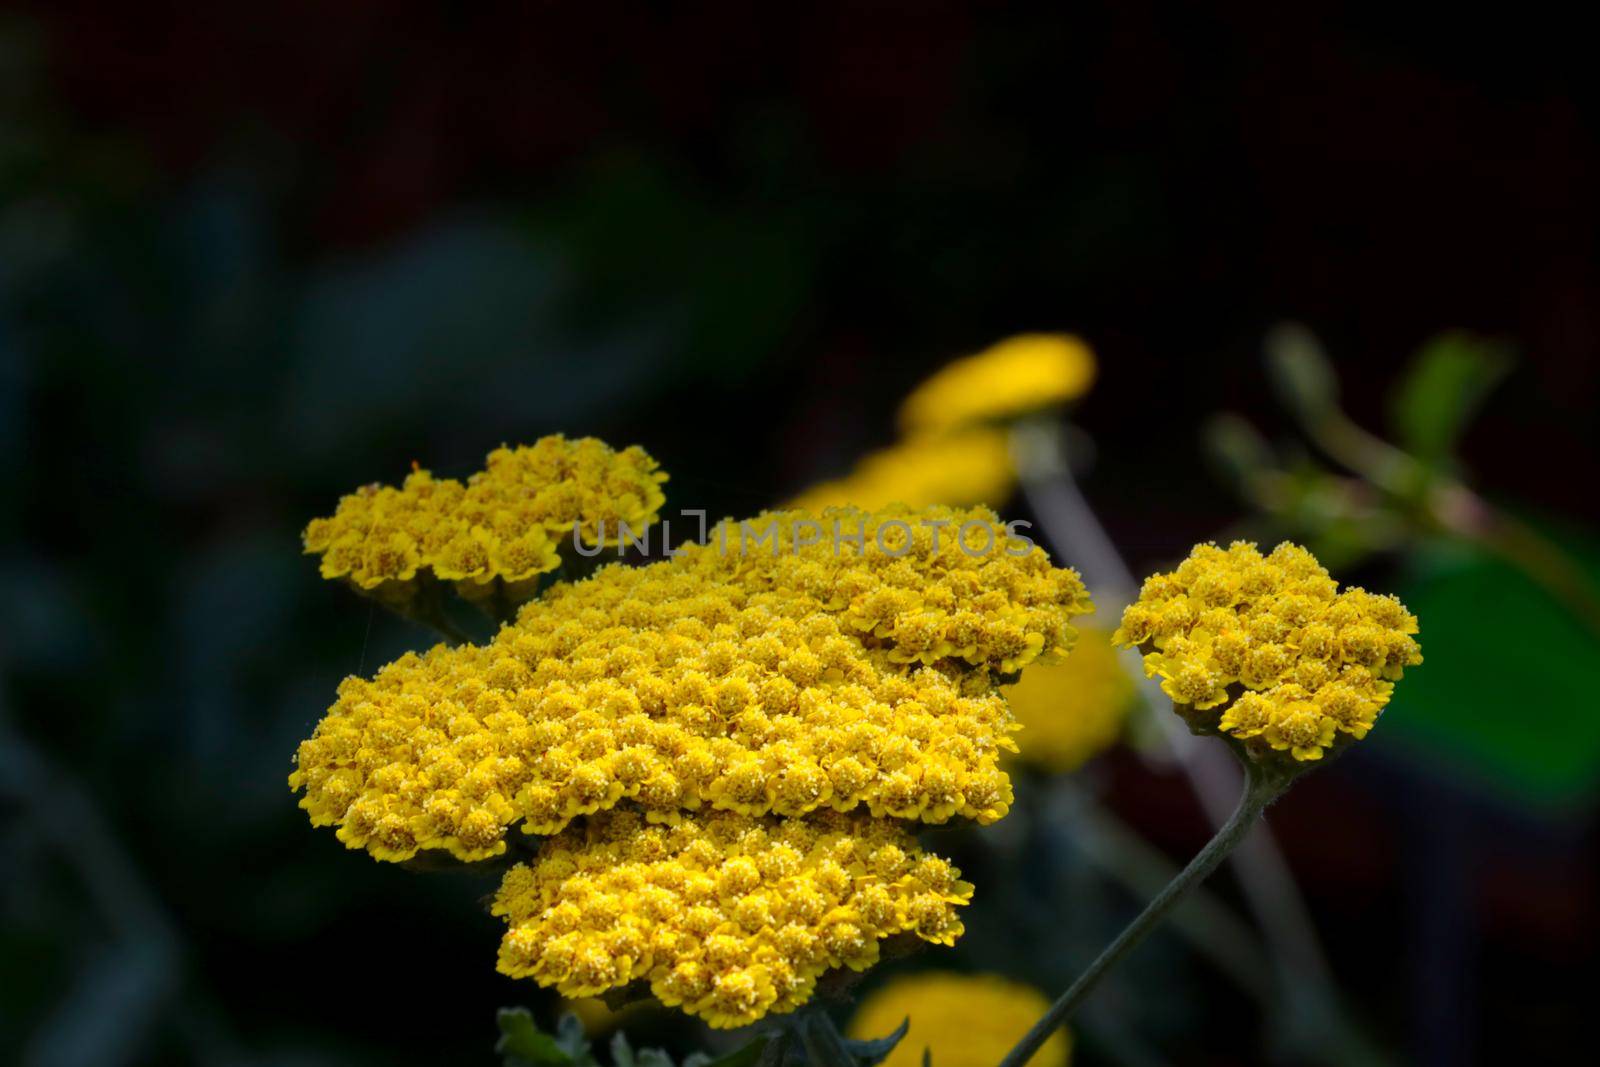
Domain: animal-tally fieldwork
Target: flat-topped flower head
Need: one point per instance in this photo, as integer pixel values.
(730, 917)
(1268, 651)
(495, 533)
(1015, 377)
(967, 1020)
(1071, 711)
(966, 466)
(732, 677)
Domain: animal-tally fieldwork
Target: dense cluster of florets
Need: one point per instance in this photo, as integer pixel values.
(758, 683)
(1267, 650)
(1017, 376)
(502, 528)
(960, 468)
(1072, 711)
(731, 747)
(968, 1020)
(449, 749)
(728, 916)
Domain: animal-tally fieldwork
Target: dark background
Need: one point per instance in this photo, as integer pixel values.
(252, 258)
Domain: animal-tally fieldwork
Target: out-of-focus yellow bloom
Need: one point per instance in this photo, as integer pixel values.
(1074, 710)
(773, 669)
(498, 531)
(1266, 650)
(959, 469)
(1019, 375)
(597, 1016)
(728, 916)
(968, 1020)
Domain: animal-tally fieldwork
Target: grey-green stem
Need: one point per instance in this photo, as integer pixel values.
(1260, 790)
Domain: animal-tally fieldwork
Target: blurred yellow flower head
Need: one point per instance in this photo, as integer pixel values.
(503, 527)
(968, 1020)
(729, 916)
(1017, 376)
(1268, 651)
(960, 468)
(1074, 710)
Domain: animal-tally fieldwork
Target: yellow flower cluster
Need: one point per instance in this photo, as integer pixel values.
(729, 677)
(1267, 650)
(961, 468)
(730, 747)
(1072, 711)
(1014, 377)
(503, 527)
(728, 916)
(968, 1020)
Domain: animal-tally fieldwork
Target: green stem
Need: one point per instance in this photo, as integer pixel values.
(1205, 921)
(1260, 790)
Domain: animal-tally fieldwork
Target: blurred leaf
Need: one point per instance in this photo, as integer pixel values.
(621, 1050)
(873, 1052)
(824, 1046)
(1300, 372)
(573, 1040)
(743, 1056)
(523, 1043)
(725, 286)
(1239, 453)
(623, 1055)
(1442, 391)
(468, 314)
(770, 1052)
(1506, 689)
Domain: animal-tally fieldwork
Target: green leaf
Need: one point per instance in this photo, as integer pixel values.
(1240, 453)
(1300, 372)
(1505, 692)
(1443, 389)
(745, 1055)
(824, 1046)
(523, 1043)
(573, 1040)
(654, 1057)
(872, 1052)
(772, 1051)
(621, 1050)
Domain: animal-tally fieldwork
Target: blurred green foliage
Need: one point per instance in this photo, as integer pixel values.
(1434, 403)
(1509, 610)
(1507, 690)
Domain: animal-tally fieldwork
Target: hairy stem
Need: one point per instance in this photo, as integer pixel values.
(1259, 791)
